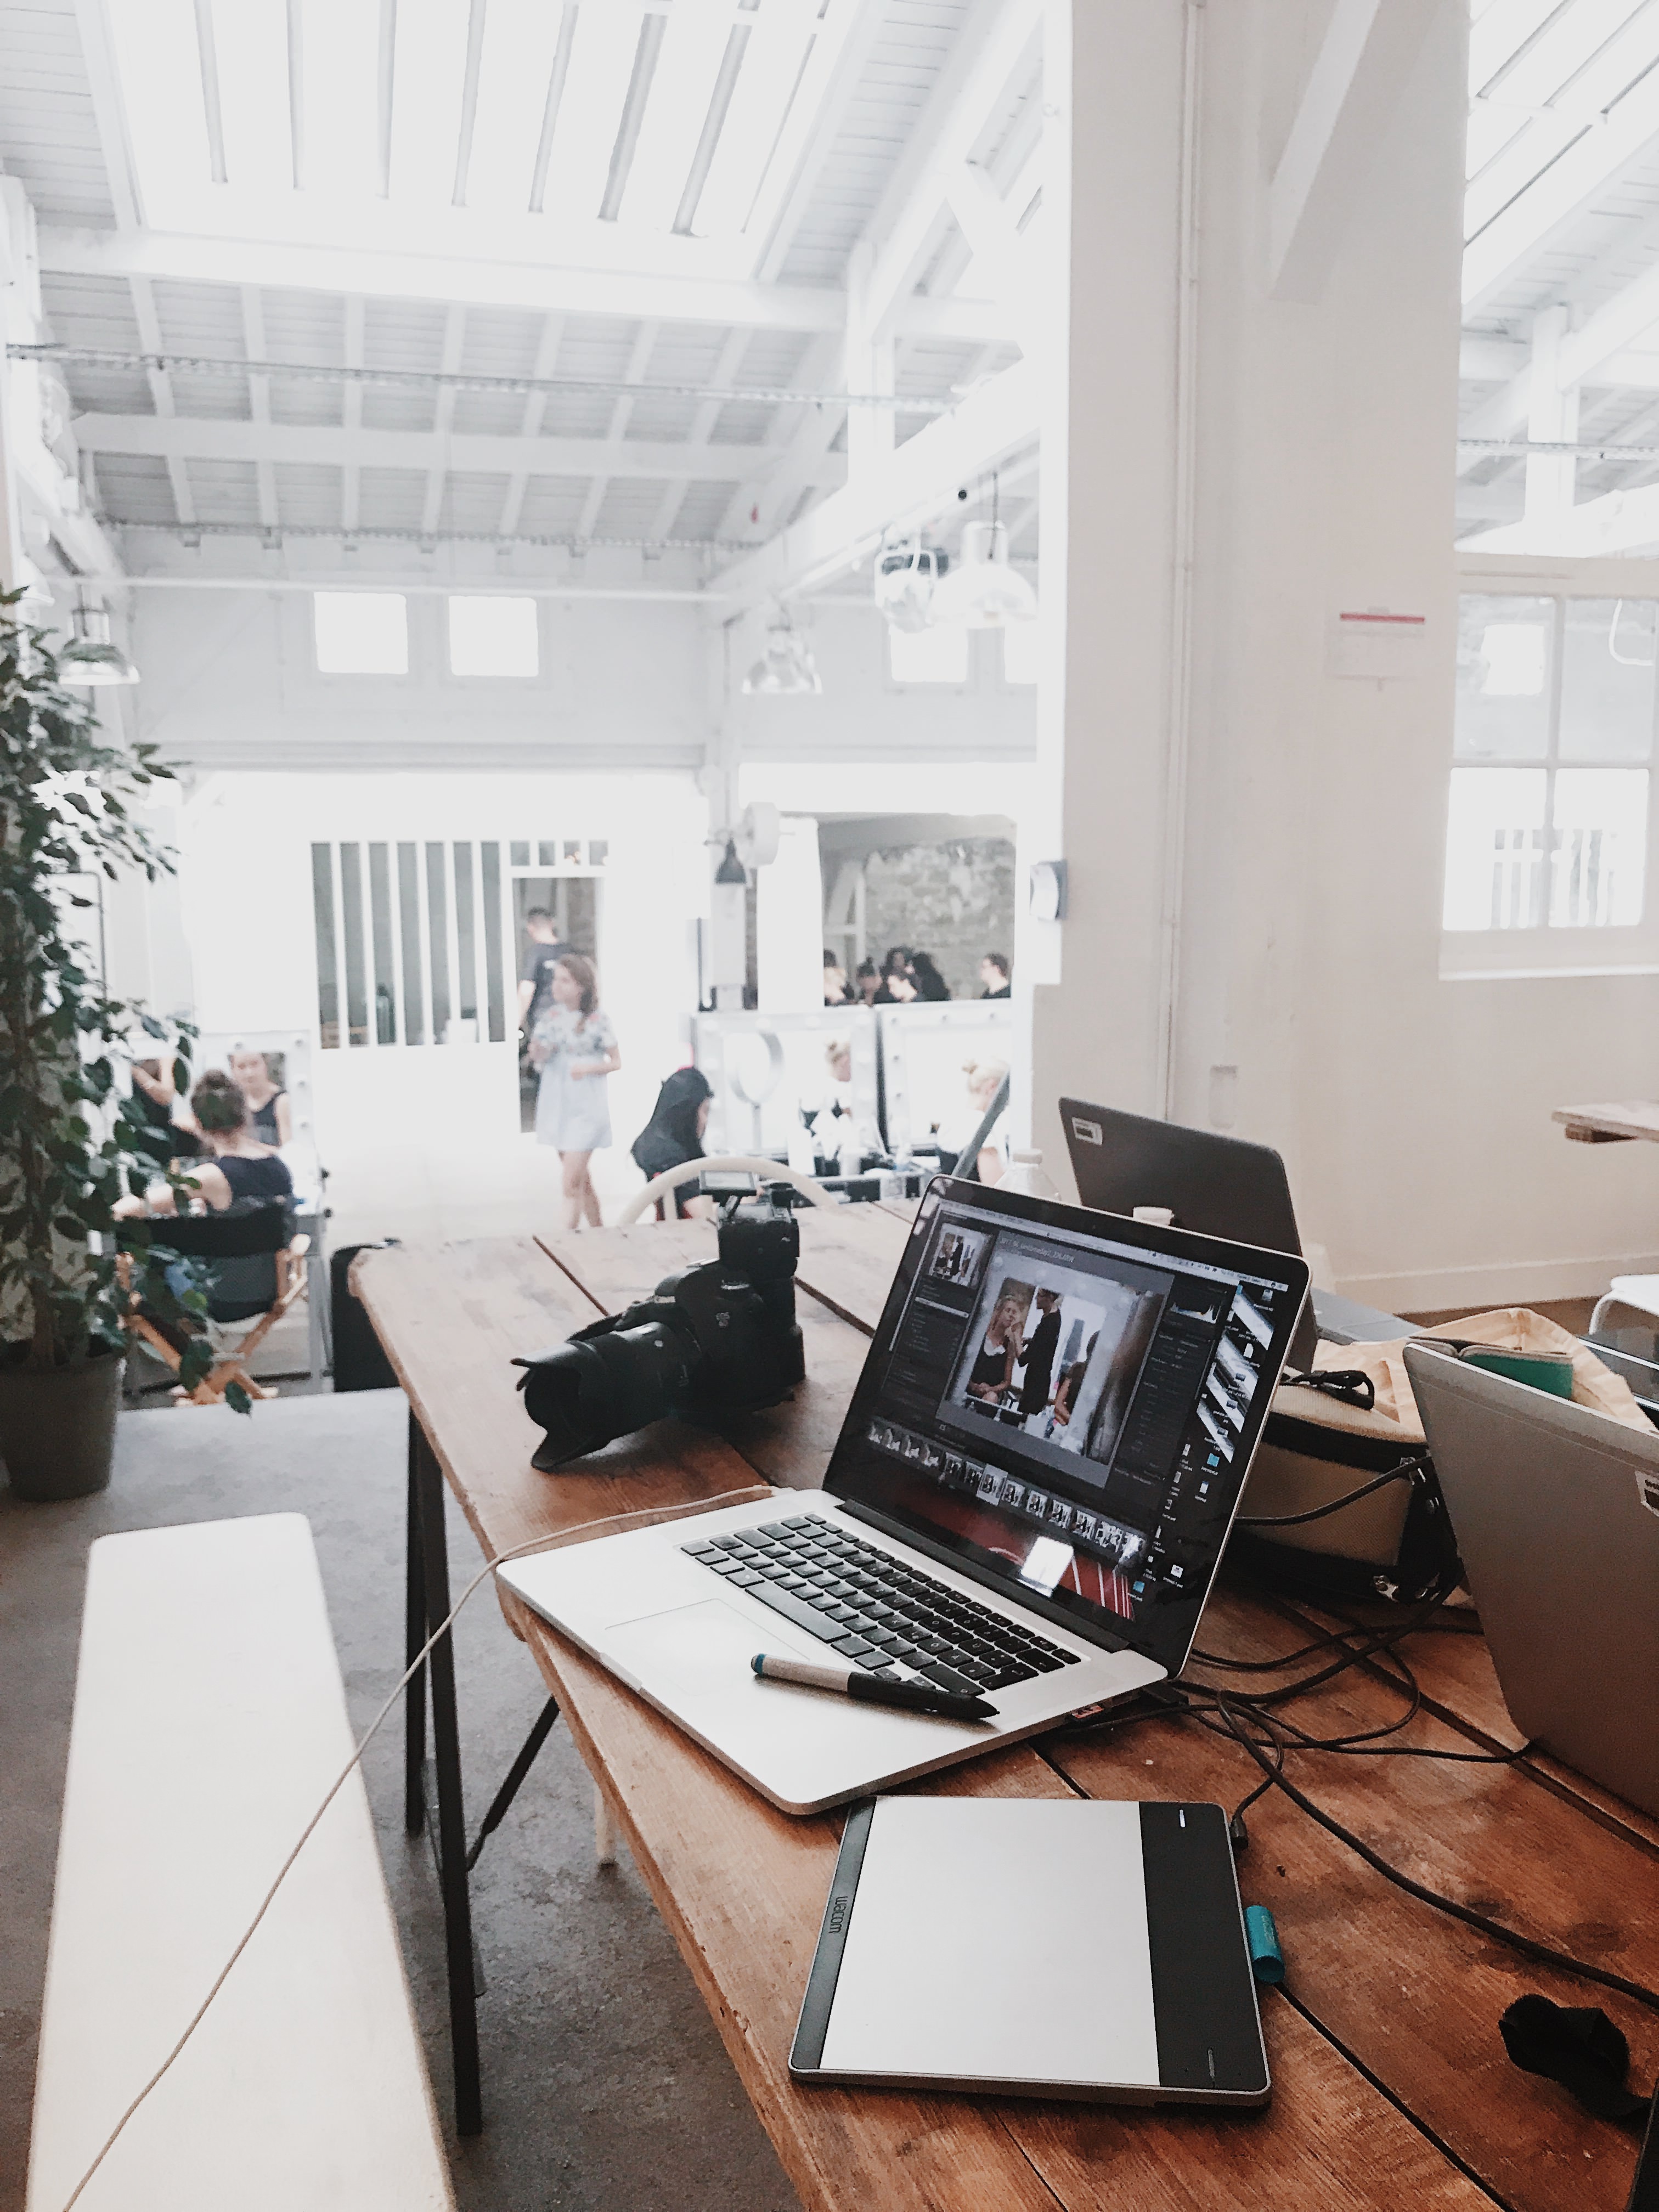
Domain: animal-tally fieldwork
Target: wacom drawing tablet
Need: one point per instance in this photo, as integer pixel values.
(1041, 1947)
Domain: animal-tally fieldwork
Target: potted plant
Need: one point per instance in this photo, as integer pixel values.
(71, 1140)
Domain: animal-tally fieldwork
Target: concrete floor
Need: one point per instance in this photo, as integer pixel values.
(605, 2087)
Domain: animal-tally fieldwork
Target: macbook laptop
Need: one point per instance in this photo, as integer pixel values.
(1220, 1186)
(1028, 1501)
(1556, 1512)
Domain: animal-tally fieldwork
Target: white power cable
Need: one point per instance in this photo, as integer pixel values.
(617, 1523)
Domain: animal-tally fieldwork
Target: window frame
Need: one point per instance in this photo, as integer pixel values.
(1539, 949)
(454, 676)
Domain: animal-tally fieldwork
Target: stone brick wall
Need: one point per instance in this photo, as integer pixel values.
(955, 901)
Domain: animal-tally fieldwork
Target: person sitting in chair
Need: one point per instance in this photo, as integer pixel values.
(241, 1172)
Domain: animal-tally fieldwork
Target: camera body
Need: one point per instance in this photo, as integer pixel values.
(718, 1338)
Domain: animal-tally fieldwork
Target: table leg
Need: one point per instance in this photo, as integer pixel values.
(446, 1761)
(415, 1635)
(1645, 2190)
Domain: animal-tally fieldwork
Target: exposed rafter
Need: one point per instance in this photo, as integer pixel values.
(176, 439)
(917, 481)
(1589, 167)
(946, 139)
(481, 281)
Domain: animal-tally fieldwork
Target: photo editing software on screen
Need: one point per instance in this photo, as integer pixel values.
(1070, 1410)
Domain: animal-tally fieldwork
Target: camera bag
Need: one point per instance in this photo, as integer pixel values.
(1353, 1425)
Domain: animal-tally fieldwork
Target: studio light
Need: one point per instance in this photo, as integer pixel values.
(906, 576)
(981, 591)
(89, 657)
(787, 668)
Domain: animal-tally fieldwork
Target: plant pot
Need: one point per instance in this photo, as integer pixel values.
(58, 1429)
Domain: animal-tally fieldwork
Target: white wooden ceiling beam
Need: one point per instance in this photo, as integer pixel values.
(535, 407)
(351, 414)
(645, 340)
(1618, 522)
(1354, 89)
(919, 480)
(946, 139)
(841, 48)
(477, 282)
(180, 437)
(443, 416)
(258, 389)
(1585, 173)
(161, 393)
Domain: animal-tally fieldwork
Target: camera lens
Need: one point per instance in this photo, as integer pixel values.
(586, 1394)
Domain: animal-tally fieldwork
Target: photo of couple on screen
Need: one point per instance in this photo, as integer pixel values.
(1056, 1357)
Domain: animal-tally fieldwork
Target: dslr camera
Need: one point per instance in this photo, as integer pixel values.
(719, 1338)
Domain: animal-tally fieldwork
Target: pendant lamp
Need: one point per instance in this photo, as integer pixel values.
(787, 668)
(982, 592)
(89, 658)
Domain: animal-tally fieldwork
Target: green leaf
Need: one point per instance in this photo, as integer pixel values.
(237, 1398)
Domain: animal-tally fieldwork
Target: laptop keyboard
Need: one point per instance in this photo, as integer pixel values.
(877, 1610)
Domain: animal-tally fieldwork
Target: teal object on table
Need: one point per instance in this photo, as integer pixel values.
(1266, 1960)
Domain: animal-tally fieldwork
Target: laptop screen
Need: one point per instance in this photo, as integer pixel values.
(1069, 1408)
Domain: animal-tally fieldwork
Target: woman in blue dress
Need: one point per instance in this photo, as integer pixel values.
(575, 1048)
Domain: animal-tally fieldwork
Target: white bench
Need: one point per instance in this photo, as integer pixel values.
(209, 1721)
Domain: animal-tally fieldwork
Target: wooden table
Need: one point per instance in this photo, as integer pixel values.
(1616, 1124)
(1392, 2087)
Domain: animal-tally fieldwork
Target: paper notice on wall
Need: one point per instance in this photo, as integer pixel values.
(1378, 643)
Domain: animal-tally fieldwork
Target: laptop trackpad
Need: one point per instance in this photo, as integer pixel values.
(701, 1650)
(801, 1745)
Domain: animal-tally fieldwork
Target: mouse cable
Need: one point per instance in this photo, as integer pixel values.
(1528, 1946)
(617, 1523)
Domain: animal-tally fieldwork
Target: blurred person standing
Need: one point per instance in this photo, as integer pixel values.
(869, 984)
(995, 974)
(575, 1048)
(543, 953)
(930, 984)
(836, 990)
(271, 1114)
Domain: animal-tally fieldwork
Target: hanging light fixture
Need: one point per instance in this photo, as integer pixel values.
(91, 658)
(982, 592)
(908, 574)
(787, 668)
(730, 869)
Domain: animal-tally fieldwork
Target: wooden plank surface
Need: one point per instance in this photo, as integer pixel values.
(1615, 1123)
(1377, 1977)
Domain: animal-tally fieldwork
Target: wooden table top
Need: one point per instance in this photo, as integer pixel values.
(1614, 1124)
(1391, 2083)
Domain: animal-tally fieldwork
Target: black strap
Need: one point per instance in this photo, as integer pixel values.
(1351, 1384)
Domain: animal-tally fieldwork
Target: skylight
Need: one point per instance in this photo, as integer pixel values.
(659, 116)
(490, 636)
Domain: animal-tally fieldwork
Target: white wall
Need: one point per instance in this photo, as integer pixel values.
(1302, 848)
(230, 681)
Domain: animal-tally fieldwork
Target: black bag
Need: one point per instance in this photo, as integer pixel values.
(359, 1362)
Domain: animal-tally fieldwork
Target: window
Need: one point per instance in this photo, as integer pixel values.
(1021, 650)
(928, 656)
(1547, 828)
(493, 637)
(361, 633)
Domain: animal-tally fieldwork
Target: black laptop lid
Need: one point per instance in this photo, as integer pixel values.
(1220, 1186)
(1068, 1406)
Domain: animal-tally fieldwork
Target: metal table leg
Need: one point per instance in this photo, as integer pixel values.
(415, 1635)
(427, 1488)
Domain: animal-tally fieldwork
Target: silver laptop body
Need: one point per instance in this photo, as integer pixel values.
(1062, 1489)
(1556, 1512)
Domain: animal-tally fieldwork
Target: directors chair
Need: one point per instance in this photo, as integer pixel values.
(256, 1271)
